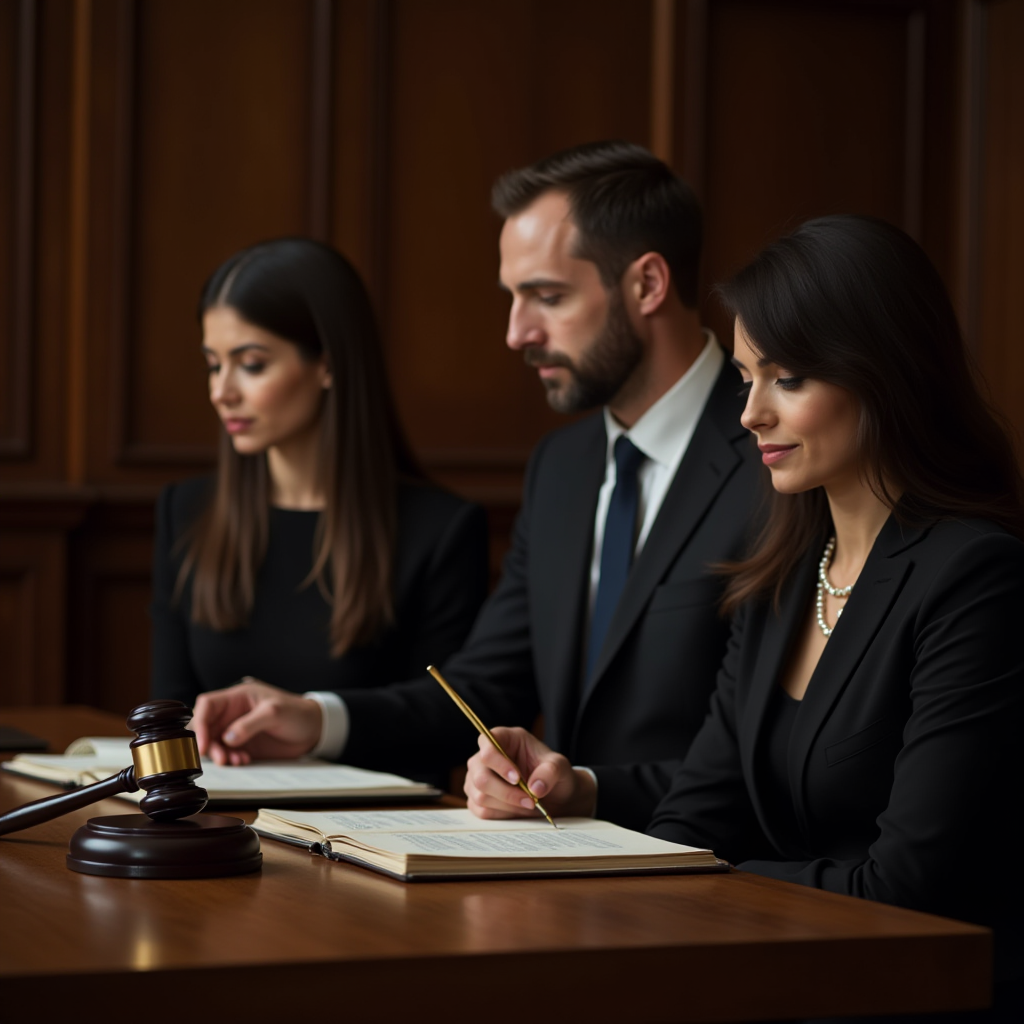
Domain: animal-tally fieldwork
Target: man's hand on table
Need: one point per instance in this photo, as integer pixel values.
(254, 720)
(492, 792)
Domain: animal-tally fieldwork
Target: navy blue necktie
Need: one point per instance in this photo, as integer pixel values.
(617, 546)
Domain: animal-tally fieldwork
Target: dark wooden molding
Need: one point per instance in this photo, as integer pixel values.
(379, 157)
(33, 564)
(79, 227)
(64, 507)
(480, 460)
(694, 66)
(913, 180)
(17, 443)
(321, 116)
(109, 563)
(663, 73)
(41, 513)
(20, 577)
(142, 453)
(121, 277)
(972, 142)
(96, 682)
(125, 450)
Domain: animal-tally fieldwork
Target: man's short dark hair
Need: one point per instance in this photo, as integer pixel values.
(624, 202)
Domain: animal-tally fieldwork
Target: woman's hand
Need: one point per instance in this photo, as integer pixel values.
(491, 780)
(254, 720)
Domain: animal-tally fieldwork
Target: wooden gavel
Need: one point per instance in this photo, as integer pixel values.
(171, 839)
(165, 764)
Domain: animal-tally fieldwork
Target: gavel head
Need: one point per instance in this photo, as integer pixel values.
(166, 760)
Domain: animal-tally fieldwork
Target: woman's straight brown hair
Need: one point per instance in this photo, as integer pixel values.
(855, 302)
(310, 295)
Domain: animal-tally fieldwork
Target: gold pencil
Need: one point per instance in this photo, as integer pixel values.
(484, 731)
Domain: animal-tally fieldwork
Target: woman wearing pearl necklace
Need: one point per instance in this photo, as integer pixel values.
(865, 733)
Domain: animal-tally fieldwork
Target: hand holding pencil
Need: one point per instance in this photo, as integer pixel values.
(484, 731)
(514, 771)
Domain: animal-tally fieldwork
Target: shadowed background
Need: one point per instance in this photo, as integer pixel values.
(144, 141)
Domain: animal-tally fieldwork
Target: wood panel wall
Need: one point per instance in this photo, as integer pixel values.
(146, 140)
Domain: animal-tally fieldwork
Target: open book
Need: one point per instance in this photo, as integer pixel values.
(446, 845)
(307, 780)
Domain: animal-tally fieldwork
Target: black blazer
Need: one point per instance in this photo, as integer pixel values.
(905, 761)
(666, 639)
(440, 581)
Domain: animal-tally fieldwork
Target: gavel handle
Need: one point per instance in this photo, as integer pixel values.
(54, 806)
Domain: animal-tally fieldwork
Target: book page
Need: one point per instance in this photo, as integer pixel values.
(72, 766)
(99, 757)
(75, 771)
(103, 750)
(569, 843)
(331, 823)
(300, 776)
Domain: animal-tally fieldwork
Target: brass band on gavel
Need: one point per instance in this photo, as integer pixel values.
(165, 756)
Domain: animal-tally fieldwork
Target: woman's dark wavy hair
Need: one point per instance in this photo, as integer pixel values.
(855, 301)
(310, 295)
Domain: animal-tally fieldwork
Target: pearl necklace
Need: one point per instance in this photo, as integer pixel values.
(823, 585)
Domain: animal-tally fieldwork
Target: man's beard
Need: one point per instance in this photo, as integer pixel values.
(601, 371)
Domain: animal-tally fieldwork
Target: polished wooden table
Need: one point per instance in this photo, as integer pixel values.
(308, 940)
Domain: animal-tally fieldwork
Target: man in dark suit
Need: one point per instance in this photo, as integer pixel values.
(605, 619)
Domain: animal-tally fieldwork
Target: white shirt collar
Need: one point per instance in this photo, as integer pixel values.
(664, 431)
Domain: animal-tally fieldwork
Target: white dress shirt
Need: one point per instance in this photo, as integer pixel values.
(663, 434)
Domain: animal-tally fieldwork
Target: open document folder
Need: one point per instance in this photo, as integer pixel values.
(446, 845)
(306, 780)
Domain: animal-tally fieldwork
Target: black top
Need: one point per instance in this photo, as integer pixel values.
(779, 720)
(440, 582)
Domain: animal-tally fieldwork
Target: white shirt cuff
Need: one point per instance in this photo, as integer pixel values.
(334, 724)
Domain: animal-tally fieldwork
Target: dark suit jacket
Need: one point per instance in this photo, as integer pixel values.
(905, 761)
(663, 646)
(440, 581)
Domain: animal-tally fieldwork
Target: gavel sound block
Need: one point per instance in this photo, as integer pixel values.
(171, 839)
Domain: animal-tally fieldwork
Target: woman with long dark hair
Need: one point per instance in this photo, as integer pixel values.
(865, 733)
(318, 557)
